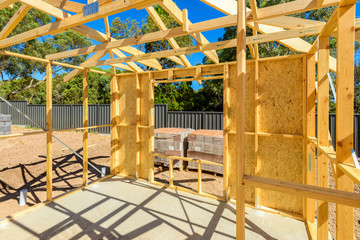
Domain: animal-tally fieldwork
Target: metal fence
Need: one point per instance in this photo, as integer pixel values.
(70, 116)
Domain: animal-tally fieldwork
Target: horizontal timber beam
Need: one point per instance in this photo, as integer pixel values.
(214, 46)
(293, 7)
(67, 5)
(18, 55)
(176, 32)
(75, 20)
(46, 8)
(150, 37)
(308, 191)
(350, 170)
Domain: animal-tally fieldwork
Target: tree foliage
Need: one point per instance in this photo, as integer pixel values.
(29, 74)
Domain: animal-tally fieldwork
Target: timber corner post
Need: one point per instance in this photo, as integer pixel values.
(151, 127)
(344, 113)
(49, 128)
(114, 129)
(85, 125)
(240, 122)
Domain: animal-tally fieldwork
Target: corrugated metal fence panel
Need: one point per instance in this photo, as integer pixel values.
(70, 116)
(61, 116)
(213, 120)
(192, 120)
(38, 114)
(103, 117)
(161, 111)
(16, 117)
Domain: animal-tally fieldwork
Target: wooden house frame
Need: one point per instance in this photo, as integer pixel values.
(137, 89)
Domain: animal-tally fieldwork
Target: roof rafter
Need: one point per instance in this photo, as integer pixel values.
(6, 3)
(150, 37)
(160, 24)
(75, 20)
(296, 44)
(60, 14)
(285, 34)
(75, 72)
(67, 5)
(176, 13)
(101, 37)
(14, 21)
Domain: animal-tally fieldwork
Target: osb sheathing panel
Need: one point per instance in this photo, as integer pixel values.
(280, 158)
(281, 84)
(127, 134)
(281, 102)
(249, 127)
(281, 96)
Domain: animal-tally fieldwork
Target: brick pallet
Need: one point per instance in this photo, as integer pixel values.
(5, 124)
(206, 145)
(171, 142)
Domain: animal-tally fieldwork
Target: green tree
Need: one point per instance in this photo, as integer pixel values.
(29, 74)
(178, 96)
(210, 95)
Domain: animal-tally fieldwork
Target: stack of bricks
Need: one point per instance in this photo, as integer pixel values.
(206, 145)
(5, 124)
(171, 142)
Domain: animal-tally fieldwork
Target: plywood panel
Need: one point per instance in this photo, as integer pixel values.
(127, 116)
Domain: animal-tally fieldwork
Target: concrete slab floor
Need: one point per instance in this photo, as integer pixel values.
(120, 208)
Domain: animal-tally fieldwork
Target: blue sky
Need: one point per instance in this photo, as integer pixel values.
(197, 12)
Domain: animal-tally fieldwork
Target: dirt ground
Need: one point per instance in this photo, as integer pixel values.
(22, 166)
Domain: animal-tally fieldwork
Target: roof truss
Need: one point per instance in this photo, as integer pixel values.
(270, 21)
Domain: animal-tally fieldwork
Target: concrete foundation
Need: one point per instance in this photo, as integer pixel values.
(120, 208)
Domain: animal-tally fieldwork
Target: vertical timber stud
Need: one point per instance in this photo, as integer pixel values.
(345, 114)
(257, 107)
(117, 122)
(322, 134)
(49, 152)
(226, 132)
(138, 130)
(240, 122)
(113, 156)
(151, 128)
(85, 124)
(309, 164)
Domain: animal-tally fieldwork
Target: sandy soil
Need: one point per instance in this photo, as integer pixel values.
(22, 166)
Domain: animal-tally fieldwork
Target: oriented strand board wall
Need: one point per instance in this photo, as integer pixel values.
(281, 101)
(281, 86)
(132, 150)
(127, 116)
